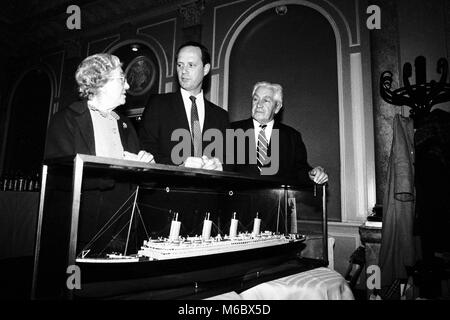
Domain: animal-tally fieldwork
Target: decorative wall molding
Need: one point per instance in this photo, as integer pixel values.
(366, 197)
(55, 69)
(163, 45)
(214, 91)
(50, 67)
(355, 109)
(100, 45)
(168, 87)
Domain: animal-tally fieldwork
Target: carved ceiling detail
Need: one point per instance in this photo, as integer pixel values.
(191, 13)
(29, 24)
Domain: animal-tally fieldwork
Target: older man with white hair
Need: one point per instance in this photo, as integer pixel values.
(274, 141)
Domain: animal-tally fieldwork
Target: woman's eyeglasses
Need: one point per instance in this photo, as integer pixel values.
(122, 78)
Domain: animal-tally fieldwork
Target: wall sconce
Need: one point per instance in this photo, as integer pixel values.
(135, 47)
(281, 10)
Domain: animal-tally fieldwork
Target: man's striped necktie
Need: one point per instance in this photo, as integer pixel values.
(195, 129)
(261, 150)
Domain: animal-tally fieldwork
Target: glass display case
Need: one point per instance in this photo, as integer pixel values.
(110, 228)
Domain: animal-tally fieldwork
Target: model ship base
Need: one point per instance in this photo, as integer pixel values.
(105, 280)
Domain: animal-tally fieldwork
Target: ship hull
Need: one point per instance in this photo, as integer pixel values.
(115, 279)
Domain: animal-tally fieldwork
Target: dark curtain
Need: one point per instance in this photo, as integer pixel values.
(432, 143)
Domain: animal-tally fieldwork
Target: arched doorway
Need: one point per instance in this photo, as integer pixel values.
(27, 125)
(282, 49)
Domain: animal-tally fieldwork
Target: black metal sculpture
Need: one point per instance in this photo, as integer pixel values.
(422, 96)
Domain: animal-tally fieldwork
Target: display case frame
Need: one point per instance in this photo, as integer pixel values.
(75, 170)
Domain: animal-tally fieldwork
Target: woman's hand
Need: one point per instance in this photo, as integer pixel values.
(203, 163)
(212, 164)
(142, 156)
(193, 162)
(145, 156)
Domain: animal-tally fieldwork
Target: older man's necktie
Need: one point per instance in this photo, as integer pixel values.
(195, 129)
(261, 150)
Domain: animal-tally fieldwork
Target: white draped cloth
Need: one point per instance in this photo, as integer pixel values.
(316, 284)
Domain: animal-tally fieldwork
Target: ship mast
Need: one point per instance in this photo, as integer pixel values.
(131, 220)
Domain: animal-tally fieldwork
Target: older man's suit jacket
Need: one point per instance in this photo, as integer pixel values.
(164, 114)
(293, 164)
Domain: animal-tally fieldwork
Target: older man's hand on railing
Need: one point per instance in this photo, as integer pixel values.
(318, 175)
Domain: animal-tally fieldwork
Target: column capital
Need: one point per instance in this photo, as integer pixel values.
(191, 13)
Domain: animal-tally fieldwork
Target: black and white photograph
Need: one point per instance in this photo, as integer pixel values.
(225, 154)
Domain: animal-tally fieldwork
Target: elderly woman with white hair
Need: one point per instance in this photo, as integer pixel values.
(91, 126)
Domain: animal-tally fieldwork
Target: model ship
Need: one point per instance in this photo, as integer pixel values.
(176, 247)
(173, 261)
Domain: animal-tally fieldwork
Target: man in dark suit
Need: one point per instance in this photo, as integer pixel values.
(271, 144)
(176, 126)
